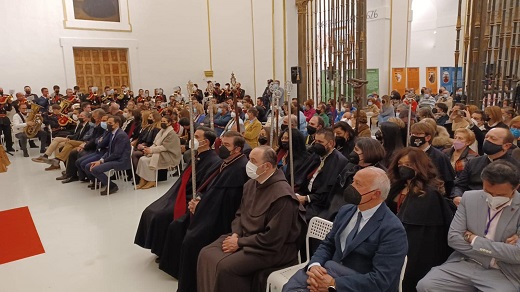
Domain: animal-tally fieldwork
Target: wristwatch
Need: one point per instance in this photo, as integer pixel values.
(332, 286)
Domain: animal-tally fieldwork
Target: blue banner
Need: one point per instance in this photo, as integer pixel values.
(447, 78)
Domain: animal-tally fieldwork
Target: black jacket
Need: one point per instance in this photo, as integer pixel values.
(469, 179)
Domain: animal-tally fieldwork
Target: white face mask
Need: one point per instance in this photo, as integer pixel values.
(496, 202)
(426, 95)
(125, 115)
(251, 170)
(345, 120)
(370, 103)
(75, 117)
(397, 114)
(349, 122)
(233, 115)
(247, 117)
(195, 144)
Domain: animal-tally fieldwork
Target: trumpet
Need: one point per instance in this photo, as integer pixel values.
(6, 99)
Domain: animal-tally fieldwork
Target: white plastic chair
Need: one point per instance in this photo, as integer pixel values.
(169, 168)
(318, 229)
(402, 274)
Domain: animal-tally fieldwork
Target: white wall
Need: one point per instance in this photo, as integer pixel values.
(170, 38)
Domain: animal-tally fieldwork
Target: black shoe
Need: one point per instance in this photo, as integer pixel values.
(41, 150)
(63, 172)
(32, 144)
(69, 180)
(158, 260)
(25, 153)
(113, 190)
(63, 177)
(10, 150)
(85, 180)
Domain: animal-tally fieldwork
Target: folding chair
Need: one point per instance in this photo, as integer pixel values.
(169, 168)
(318, 229)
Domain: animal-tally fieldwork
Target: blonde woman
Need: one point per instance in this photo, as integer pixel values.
(165, 152)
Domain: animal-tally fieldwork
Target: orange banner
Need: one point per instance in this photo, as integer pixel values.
(412, 78)
(432, 81)
(399, 80)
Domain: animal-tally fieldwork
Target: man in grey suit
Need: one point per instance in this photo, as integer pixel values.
(484, 235)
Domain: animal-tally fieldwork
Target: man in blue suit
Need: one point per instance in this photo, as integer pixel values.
(117, 157)
(365, 249)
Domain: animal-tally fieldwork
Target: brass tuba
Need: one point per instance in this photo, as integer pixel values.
(36, 117)
(64, 106)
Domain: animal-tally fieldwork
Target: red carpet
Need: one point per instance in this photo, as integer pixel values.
(18, 236)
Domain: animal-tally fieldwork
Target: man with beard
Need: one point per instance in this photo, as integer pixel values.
(213, 212)
(156, 218)
(263, 235)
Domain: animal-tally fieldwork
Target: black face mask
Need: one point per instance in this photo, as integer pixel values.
(284, 127)
(490, 148)
(406, 173)
(164, 125)
(284, 145)
(150, 122)
(417, 141)
(487, 119)
(311, 130)
(262, 140)
(223, 152)
(1, 93)
(353, 157)
(340, 141)
(379, 136)
(319, 149)
(351, 195)
(110, 128)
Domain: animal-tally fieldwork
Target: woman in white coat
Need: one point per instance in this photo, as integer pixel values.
(164, 153)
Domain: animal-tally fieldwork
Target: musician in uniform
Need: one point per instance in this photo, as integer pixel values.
(56, 95)
(20, 122)
(239, 92)
(123, 97)
(58, 122)
(5, 122)
(198, 93)
(77, 92)
(93, 98)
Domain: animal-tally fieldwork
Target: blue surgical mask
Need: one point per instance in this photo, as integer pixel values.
(515, 132)
(219, 111)
(104, 125)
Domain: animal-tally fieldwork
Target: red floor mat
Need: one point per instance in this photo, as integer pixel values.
(18, 236)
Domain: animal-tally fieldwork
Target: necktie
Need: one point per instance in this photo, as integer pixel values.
(355, 230)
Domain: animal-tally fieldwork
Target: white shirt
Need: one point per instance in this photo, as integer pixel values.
(365, 217)
(18, 123)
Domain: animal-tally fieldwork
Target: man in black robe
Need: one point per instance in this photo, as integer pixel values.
(156, 218)
(320, 177)
(212, 214)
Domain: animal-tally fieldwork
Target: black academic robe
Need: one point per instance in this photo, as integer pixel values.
(323, 183)
(156, 218)
(213, 216)
(426, 219)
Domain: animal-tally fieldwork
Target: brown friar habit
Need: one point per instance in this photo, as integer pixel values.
(268, 225)
(213, 216)
(156, 218)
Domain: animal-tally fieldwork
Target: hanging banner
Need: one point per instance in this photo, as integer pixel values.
(373, 81)
(412, 79)
(399, 80)
(431, 79)
(447, 74)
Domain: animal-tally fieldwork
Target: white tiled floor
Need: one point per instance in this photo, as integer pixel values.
(88, 239)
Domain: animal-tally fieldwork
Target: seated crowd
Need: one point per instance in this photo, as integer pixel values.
(445, 209)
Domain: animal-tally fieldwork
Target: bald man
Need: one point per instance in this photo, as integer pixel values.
(496, 146)
(264, 233)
